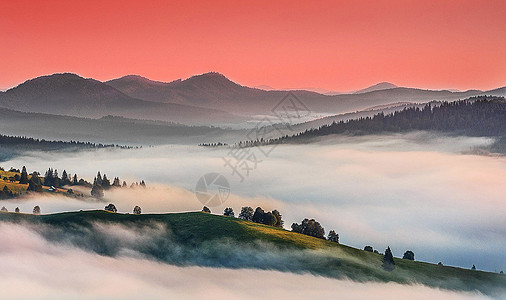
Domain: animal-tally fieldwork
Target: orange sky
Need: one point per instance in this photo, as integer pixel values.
(336, 45)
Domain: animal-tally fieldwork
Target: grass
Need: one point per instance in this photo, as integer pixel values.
(196, 230)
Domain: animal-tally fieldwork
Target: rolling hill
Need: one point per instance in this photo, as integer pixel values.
(209, 98)
(214, 90)
(109, 129)
(217, 241)
(70, 94)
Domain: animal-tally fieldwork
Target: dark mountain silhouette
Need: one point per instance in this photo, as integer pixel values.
(70, 94)
(203, 99)
(377, 87)
(213, 90)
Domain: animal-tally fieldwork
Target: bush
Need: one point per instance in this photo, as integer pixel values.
(111, 207)
(368, 249)
(206, 209)
(409, 255)
(229, 212)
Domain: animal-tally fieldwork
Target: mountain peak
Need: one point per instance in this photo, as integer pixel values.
(134, 79)
(211, 78)
(377, 87)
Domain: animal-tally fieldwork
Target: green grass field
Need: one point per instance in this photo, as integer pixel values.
(196, 230)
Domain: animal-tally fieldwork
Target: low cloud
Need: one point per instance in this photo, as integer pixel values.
(33, 267)
(412, 191)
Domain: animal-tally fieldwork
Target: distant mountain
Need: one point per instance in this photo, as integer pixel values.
(377, 87)
(70, 94)
(209, 98)
(476, 116)
(214, 90)
(110, 129)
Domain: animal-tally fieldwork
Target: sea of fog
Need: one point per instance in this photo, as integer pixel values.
(415, 191)
(36, 268)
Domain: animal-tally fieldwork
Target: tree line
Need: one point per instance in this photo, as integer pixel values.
(42, 144)
(476, 116)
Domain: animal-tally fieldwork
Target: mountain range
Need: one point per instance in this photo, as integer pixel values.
(210, 98)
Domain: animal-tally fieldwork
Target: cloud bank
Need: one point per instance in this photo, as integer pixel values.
(410, 191)
(35, 268)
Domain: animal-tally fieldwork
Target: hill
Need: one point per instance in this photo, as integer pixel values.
(209, 98)
(477, 116)
(109, 129)
(70, 94)
(210, 240)
(377, 87)
(214, 90)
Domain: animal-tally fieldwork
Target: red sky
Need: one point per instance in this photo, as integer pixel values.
(336, 45)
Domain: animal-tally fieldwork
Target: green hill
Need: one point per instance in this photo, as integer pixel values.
(210, 240)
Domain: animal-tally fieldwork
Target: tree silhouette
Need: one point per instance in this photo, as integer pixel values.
(137, 210)
(206, 209)
(333, 236)
(368, 249)
(111, 207)
(246, 213)
(388, 260)
(229, 212)
(36, 210)
(409, 255)
(24, 176)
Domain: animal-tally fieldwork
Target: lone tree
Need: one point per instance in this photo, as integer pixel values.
(229, 212)
(409, 255)
(368, 249)
(388, 260)
(24, 176)
(137, 210)
(246, 213)
(333, 236)
(36, 210)
(16, 210)
(4, 209)
(473, 268)
(111, 207)
(206, 210)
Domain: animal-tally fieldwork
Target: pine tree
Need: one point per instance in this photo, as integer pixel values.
(24, 176)
(388, 260)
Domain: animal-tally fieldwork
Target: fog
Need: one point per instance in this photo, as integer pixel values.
(420, 192)
(27, 256)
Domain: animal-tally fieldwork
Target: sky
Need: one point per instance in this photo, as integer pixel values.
(334, 45)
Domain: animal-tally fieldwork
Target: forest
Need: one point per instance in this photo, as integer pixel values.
(476, 116)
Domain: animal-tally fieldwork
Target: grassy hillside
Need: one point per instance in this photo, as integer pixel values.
(210, 240)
